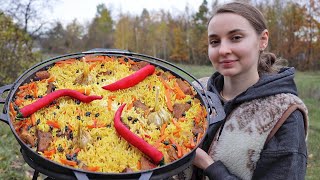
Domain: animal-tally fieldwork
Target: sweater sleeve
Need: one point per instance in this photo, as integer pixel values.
(284, 157)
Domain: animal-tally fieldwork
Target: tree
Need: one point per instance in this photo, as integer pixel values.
(199, 35)
(100, 32)
(124, 33)
(28, 14)
(180, 49)
(292, 21)
(54, 40)
(312, 34)
(15, 50)
(73, 36)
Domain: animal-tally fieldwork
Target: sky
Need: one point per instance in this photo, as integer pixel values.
(84, 10)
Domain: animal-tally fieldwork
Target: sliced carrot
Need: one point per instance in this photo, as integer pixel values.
(131, 62)
(172, 141)
(24, 87)
(176, 123)
(54, 124)
(33, 119)
(35, 92)
(91, 58)
(67, 162)
(187, 145)
(68, 61)
(168, 100)
(139, 165)
(18, 101)
(84, 91)
(196, 119)
(107, 58)
(179, 151)
(51, 79)
(178, 147)
(110, 99)
(121, 60)
(184, 151)
(93, 168)
(50, 152)
(182, 119)
(130, 106)
(92, 66)
(165, 84)
(157, 143)
(163, 128)
(177, 133)
(179, 93)
(94, 124)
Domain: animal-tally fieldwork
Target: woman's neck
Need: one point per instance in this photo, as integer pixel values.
(233, 86)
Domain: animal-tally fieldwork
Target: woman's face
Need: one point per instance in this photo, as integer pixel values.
(234, 45)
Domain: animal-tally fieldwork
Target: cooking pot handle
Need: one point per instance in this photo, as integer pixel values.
(80, 176)
(3, 89)
(146, 176)
(215, 105)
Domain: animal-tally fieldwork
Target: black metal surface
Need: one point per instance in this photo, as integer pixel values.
(52, 168)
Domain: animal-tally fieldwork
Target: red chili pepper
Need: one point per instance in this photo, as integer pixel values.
(49, 98)
(133, 139)
(132, 79)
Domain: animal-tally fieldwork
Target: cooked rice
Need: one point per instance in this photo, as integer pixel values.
(108, 150)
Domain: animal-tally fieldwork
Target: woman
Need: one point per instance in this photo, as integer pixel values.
(264, 132)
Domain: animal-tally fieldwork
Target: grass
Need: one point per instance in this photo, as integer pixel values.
(309, 90)
(12, 165)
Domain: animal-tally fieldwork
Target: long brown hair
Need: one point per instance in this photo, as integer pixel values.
(268, 62)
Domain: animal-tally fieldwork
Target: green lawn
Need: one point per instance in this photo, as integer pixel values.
(12, 165)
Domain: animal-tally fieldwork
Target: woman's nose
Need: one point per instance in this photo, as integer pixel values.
(224, 49)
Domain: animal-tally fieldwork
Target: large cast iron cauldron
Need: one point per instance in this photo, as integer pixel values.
(209, 100)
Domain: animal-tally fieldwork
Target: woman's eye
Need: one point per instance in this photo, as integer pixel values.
(236, 38)
(214, 42)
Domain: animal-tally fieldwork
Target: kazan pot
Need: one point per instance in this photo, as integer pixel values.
(45, 166)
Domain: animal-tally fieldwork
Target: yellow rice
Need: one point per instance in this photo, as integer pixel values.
(110, 153)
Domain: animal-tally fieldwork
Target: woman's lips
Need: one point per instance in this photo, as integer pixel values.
(227, 63)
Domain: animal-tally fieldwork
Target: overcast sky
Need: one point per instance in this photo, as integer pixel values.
(84, 10)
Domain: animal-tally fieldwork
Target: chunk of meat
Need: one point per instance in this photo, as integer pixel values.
(197, 129)
(27, 137)
(50, 87)
(146, 164)
(172, 153)
(141, 105)
(42, 75)
(106, 73)
(184, 87)
(139, 65)
(180, 109)
(44, 140)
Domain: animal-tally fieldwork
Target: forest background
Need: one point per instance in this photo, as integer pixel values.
(25, 38)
